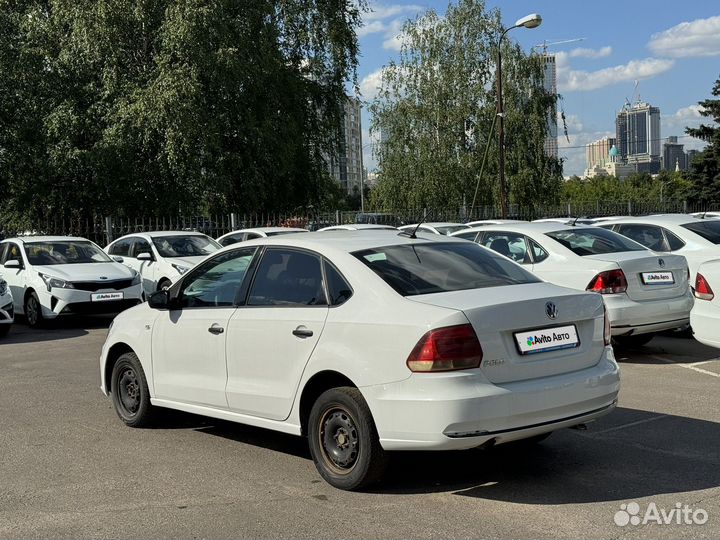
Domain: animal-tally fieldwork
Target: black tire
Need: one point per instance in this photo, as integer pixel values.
(33, 311)
(163, 284)
(129, 392)
(4, 329)
(343, 440)
(632, 341)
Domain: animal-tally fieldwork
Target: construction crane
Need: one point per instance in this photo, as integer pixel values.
(545, 44)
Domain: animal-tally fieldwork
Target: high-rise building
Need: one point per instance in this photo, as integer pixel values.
(347, 166)
(673, 155)
(610, 165)
(637, 129)
(597, 152)
(550, 85)
(689, 156)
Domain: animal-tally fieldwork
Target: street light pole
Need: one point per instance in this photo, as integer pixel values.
(530, 21)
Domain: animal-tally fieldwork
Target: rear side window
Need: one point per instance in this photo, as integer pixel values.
(413, 269)
(511, 245)
(539, 254)
(594, 241)
(287, 277)
(338, 288)
(466, 235)
(649, 236)
(674, 243)
(708, 229)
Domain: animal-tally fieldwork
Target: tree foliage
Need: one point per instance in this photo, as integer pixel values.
(435, 107)
(636, 188)
(705, 168)
(160, 106)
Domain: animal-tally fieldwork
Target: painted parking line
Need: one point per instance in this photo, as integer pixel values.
(688, 366)
(629, 424)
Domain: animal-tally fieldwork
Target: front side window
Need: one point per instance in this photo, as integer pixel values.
(511, 245)
(287, 277)
(232, 239)
(141, 246)
(121, 248)
(217, 282)
(709, 229)
(195, 245)
(413, 269)
(10, 252)
(649, 236)
(594, 241)
(64, 252)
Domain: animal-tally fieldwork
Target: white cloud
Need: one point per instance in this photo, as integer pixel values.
(387, 20)
(571, 80)
(370, 84)
(684, 117)
(590, 53)
(372, 27)
(698, 38)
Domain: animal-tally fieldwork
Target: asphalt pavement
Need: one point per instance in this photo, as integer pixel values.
(70, 469)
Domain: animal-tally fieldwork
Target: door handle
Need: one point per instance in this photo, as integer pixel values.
(302, 332)
(216, 329)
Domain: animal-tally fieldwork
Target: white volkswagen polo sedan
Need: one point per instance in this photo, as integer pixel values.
(645, 292)
(705, 315)
(58, 275)
(161, 257)
(243, 235)
(7, 310)
(366, 342)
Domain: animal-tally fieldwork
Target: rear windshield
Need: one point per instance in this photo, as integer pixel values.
(413, 269)
(594, 241)
(708, 229)
(449, 229)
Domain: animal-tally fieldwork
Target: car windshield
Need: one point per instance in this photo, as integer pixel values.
(64, 252)
(413, 269)
(594, 241)
(276, 233)
(195, 245)
(449, 229)
(708, 229)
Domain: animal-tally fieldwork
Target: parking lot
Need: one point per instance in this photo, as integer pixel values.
(70, 468)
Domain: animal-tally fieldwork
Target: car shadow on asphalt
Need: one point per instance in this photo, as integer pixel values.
(61, 328)
(271, 440)
(669, 349)
(628, 454)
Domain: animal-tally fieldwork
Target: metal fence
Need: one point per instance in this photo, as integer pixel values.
(103, 229)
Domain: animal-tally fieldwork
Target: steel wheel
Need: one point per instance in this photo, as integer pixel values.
(129, 391)
(339, 441)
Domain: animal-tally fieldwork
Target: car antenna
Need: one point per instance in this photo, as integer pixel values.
(413, 234)
(702, 216)
(572, 223)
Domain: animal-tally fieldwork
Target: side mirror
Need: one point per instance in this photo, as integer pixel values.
(159, 300)
(119, 259)
(144, 256)
(13, 264)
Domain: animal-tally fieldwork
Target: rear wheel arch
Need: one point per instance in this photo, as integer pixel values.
(115, 352)
(314, 388)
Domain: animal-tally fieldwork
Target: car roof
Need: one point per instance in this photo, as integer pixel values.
(29, 239)
(494, 222)
(266, 230)
(357, 227)
(436, 224)
(657, 219)
(155, 234)
(523, 227)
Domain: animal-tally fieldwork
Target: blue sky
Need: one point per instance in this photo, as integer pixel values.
(671, 48)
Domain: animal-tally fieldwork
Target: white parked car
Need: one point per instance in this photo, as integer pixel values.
(705, 315)
(58, 275)
(7, 310)
(161, 257)
(366, 343)
(698, 240)
(567, 220)
(706, 214)
(645, 292)
(250, 234)
(357, 227)
(483, 222)
(435, 228)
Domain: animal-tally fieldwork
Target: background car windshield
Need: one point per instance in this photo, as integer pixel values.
(450, 229)
(49, 253)
(413, 269)
(185, 246)
(594, 241)
(708, 229)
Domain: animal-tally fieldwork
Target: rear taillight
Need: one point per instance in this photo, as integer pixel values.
(446, 349)
(610, 282)
(607, 334)
(702, 288)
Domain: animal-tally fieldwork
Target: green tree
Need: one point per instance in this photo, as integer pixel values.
(159, 106)
(705, 168)
(436, 105)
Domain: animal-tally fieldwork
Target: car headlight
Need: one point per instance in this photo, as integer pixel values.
(3, 287)
(57, 283)
(180, 269)
(137, 278)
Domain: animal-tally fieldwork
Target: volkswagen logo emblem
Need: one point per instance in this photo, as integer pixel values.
(551, 310)
(661, 262)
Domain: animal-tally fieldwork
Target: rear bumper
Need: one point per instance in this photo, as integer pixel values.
(454, 411)
(705, 322)
(630, 317)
